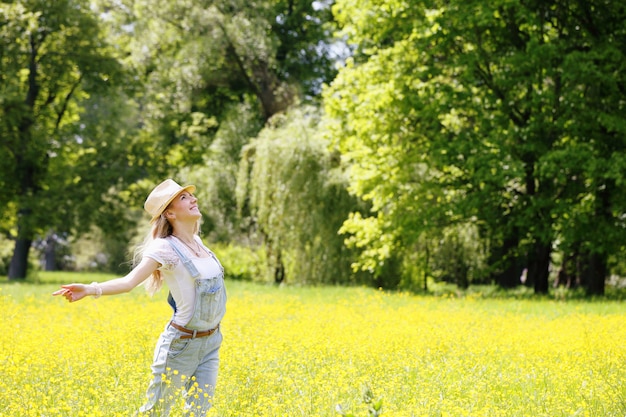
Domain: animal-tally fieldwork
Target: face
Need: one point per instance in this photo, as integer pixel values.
(184, 207)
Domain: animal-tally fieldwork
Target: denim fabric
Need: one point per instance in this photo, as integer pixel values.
(189, 366)
(210, 305)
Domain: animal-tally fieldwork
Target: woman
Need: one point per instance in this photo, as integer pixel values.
(187, 352)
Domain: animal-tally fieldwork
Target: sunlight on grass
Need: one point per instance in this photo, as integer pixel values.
(313, 351)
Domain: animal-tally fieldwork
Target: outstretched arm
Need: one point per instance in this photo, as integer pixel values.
(75, 292)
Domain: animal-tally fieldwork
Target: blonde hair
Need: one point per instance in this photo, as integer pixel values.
(161, 228)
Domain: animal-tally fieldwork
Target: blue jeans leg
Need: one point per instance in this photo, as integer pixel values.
(183, 367)
(201, 386)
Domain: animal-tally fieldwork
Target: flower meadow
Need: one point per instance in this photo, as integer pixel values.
(320, 351)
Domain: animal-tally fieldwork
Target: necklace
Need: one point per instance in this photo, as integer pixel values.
(196, 251)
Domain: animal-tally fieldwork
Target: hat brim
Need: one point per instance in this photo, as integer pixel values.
(188, 188)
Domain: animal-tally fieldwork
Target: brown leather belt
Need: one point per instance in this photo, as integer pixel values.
(193, 334)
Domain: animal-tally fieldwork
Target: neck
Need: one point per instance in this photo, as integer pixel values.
(185, 233)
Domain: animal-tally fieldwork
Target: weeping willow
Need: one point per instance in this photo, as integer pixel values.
(291, 187)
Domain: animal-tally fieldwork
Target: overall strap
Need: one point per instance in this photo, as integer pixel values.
(187, 263)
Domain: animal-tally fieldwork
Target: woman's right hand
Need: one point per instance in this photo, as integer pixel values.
(74, 292)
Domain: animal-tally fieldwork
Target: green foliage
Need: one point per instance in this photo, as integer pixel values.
(496, 114)
(210, 74)
(182, 89)
(241, 263)
(474, 137)
(55, 67)
(458, 256)
(198, 59)
(295, 199)
(6, 251)
(216, 179)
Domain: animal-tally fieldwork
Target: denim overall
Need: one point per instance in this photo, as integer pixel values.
(189, 366)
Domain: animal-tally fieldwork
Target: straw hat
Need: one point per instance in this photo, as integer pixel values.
(162, 196)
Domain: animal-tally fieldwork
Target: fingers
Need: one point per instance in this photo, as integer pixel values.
(66, 292)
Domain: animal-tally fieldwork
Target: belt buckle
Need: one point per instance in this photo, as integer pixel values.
(193, 336)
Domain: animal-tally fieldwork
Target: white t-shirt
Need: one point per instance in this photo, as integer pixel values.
(176, 276)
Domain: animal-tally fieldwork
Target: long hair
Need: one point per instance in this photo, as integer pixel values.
(161, 228)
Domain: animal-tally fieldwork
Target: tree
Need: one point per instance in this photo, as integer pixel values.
(52, 59)
(455, 112)
(193, 66)
(200, 57)
(213, 73)
(296, 199)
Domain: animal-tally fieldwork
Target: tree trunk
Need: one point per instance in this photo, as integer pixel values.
(568, 275)
(426, 268)
(50, 253)
(509, 276)
(279, 269)
(594, 264)
(539, 267)
(19, 262)
(27, 170)
(594, 271)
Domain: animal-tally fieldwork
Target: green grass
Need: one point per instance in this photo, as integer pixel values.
(52, 279)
